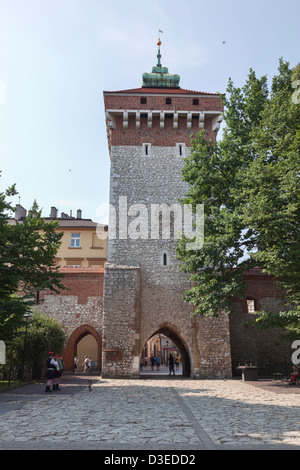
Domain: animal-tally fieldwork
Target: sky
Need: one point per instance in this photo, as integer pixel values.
(58, 56)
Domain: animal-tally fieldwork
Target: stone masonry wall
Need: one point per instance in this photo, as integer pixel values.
(121, 321)
(79, 309)
(146, 180)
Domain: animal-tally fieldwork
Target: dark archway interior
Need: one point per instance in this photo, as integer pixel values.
(186, 365)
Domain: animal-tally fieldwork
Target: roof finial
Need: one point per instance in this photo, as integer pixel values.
(158, 53)
(159, 41)
(160, 76)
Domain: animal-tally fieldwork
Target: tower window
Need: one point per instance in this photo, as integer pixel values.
(168, 101)
(146, 149)
(143, 100)
(195, 101)
(165, 259)
(180, 149)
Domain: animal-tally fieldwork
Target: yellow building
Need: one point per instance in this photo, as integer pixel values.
(84, 243)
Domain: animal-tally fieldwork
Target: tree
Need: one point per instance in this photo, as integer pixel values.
(43, 334)
(27, 251)
(249, 185)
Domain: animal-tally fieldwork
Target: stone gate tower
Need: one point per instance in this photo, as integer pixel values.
(149, 131)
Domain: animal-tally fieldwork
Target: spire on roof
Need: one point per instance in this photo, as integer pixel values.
(158, 53)
(160, 76)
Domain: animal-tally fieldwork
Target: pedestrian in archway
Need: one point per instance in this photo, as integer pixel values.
(75, 364)
(171, 364)
(157, 362)
(87, 364)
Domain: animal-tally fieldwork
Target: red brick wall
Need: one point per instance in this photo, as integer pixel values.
(154, 102)
(82, 282)
(248, 345)
(156, 136)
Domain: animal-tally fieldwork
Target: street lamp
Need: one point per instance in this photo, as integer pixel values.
(26, 316)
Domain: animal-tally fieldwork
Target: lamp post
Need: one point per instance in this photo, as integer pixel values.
(26, 316)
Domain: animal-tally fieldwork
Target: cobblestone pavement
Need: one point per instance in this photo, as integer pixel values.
(162, 413)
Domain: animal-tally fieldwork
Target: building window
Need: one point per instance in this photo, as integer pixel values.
(195, 101)
(75, 240)
(168, 101)
(164, 259)
(180, 150)
(146, 149)
(251, 307)
(143, 100)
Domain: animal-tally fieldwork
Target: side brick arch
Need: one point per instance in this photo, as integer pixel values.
(74, 339)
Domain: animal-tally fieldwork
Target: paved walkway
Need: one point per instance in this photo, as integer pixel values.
(155, 412)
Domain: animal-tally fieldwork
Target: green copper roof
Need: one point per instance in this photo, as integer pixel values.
(160, 76)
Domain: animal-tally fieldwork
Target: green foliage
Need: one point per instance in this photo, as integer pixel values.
(250, 187)
(27, 251)
(40, 335)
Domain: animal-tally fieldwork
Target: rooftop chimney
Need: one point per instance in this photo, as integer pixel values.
(53, 213)
(20, 212)
(79, 214)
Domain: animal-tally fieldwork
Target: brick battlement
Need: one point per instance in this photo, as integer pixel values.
(163, 117)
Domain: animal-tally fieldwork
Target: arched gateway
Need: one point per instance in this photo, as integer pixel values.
(74, 339)
(173, 334)
(149, 131)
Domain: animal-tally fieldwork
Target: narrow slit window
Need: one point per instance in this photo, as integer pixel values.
(146, 149)
(165, 260)
(180, 149)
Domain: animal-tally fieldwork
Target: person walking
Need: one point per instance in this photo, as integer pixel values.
(171, 365)
(87, 364)
(58, 372)
(51, 366)
(75, 361)
(157, 362)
